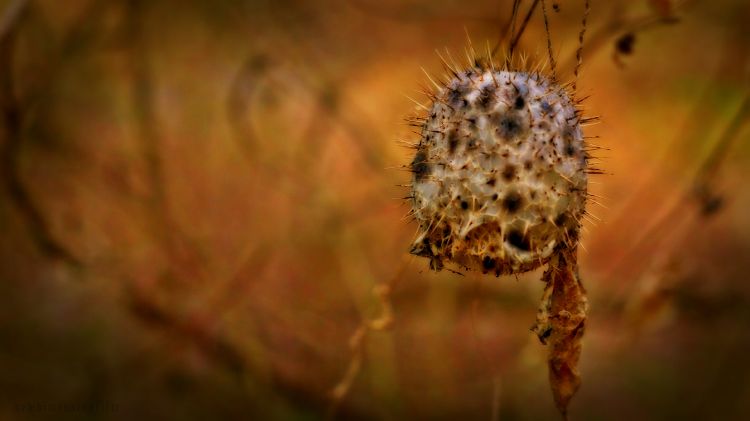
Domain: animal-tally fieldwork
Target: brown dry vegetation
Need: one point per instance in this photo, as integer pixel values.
(196, 207)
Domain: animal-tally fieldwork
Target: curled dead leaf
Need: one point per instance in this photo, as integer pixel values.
(561, 321)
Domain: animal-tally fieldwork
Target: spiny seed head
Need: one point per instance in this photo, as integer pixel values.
(500, 172)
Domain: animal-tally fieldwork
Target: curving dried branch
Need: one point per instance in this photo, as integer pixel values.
(238, 108)
(13, 122)
(358, 340)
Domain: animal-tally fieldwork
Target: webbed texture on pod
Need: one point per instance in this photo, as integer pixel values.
(499, 175)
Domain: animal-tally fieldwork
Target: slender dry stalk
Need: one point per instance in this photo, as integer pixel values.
(697, 191)
(358, 340)
(517, 37)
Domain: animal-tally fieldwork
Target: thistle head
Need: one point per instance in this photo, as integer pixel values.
(499, 173)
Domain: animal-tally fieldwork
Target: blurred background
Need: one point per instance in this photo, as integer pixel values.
(198, 198)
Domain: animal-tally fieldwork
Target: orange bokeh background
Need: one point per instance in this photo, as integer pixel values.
(200, 196)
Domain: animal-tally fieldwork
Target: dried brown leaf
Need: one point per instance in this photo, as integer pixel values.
(561, 321)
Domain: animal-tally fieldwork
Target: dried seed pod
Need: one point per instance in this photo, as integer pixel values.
(500, 172)
(499, 185)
